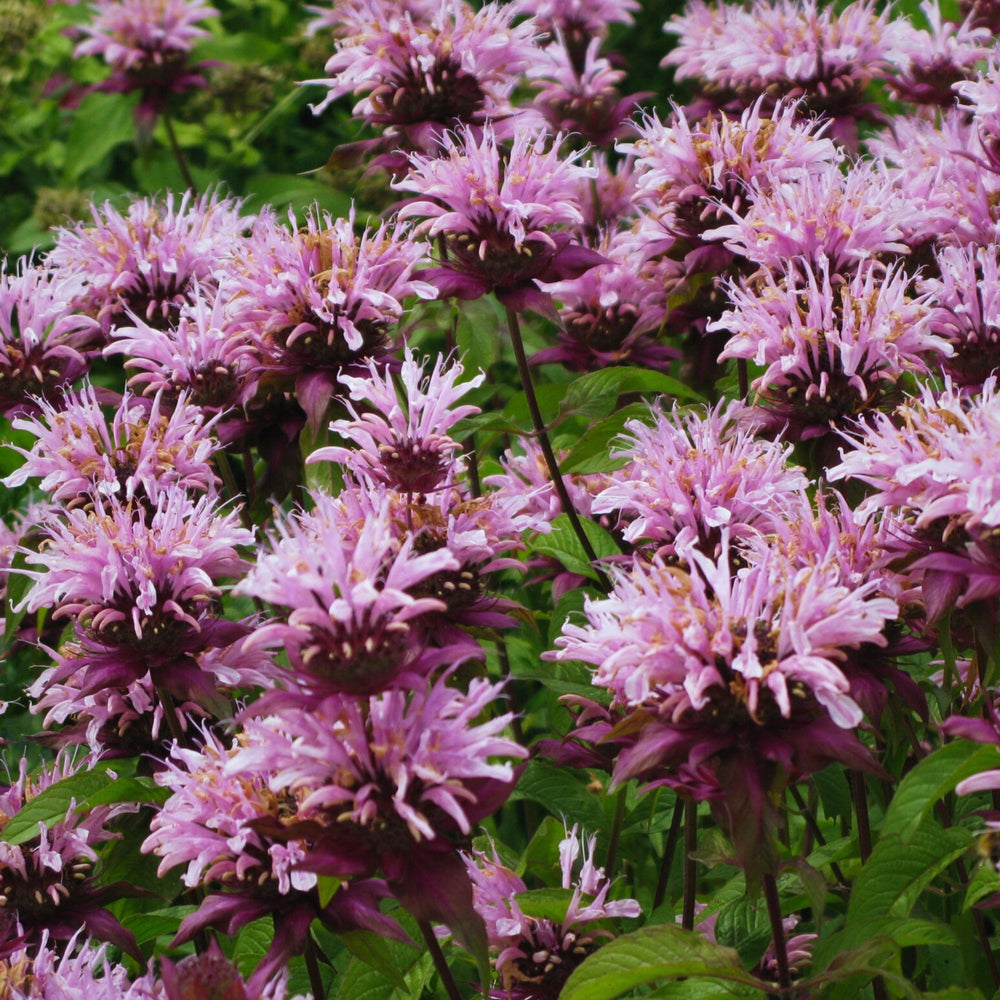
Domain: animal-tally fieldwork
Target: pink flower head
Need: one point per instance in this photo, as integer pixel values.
(788, 48)
(352, 623)
(690, 175)
(423, 74)
(141, 451)
(966, 297)
(584, 100)
(213, 822)
(738, 672)
(578, 19)
(821, 214)
(933, 462)
(497, 215)
(981, 99)
(146, 44)
(403, 444)
(78, 971)
(142, 584)
(395, 781)
(322, 298)
(830, 350)
(930, 62)
(47, 883)
(535, 954)
(692, 477)
(145, 262)
(205, 357)
(611, 315)
(43, 343)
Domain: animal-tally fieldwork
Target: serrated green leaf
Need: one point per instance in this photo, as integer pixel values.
(563, 793)
(932, 779)
(162, 923)
(596, 394)
(546, 904)
(985, 882)
(834, 791)
(562, 544)
(743, 924)
(252, 943)
(53, 803)
(374, 950)
(100, 122)
(648, 955)
(897, 872)
(592, 453)
(361, 982)
(143, 790)
(326, 887)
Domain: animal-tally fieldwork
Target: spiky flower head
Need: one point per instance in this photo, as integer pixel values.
(141, 584)
(498, 214)
(47, 882)
(140, 451)
(403, 443)
(146, 44)
(536, 955)
(144, 261)
(205, 356)
(323, 297)
(212, 825)
(831, 350)
(351, 622)
(932, 461)
(691, 476)
(43, 344)
(422, 73)
(979, 97)
(787, 48)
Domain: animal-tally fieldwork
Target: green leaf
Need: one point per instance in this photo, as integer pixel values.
(897, 872)
(592, 452)
(361, 982)
(985, 882)
(326, 888)
(743, 924)
(562, 792)
(933, 778)
(647, 955)
(596, 394)
(374, 950)
(144, 790)
(834, 791)
(162, 923)
(546, 904)
(99, 123)
(297, 192)
(53, 803)
(252, 943)
(562, 545)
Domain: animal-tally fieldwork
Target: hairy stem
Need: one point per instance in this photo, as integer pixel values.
(770, 887)
(440, 963)
(860, 796)
(179, 154)
(312, 968)
(668, 853)
(524, 371)
(690, 865)
(616, 832)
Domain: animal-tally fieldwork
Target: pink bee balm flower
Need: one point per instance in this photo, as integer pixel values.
(78, 452)
(691, 476)
(395, 781)
(736, 671)
(497, 215)
(47, 883)
(322, 297)
(142, 584)
(537, 954)
(352, 622)
(204, 356)
(145, 262)
(146, 44)
(403, 444)
(831, 350)
(212, 823)
(423, 74)
(933, 462)
(43, 343)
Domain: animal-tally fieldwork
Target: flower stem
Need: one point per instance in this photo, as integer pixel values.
(179, 154)
(312, 967)
(770, 887)
(524, 371)
(813, 826)
(170, 715)
(616, 831)
(437, 956)
(690, 865)
(668, 853)
(860, 797)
